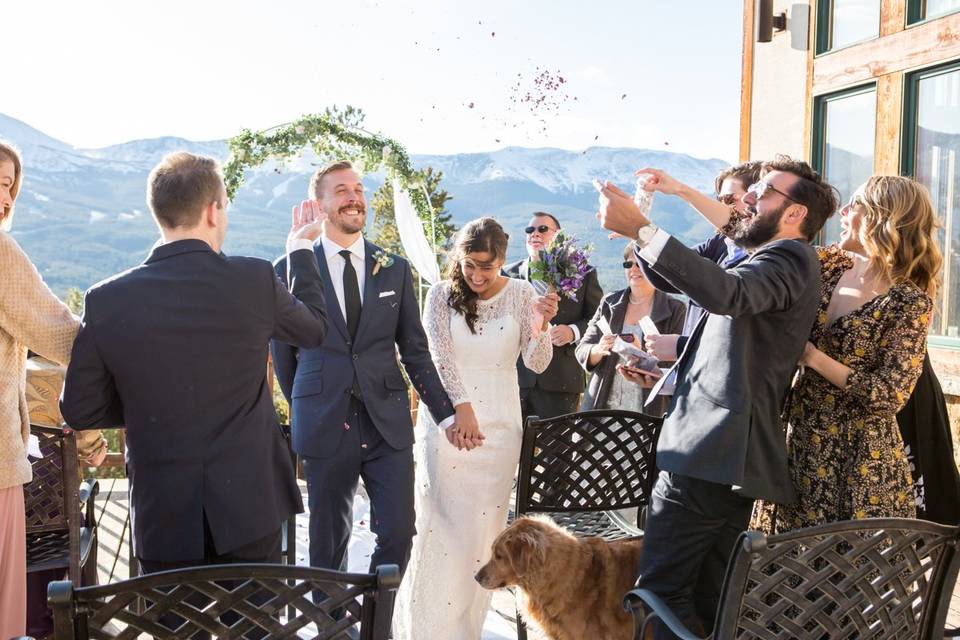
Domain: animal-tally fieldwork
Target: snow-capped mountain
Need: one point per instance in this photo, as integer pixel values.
(81, 215)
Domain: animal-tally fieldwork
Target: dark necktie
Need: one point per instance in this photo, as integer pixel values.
(351, 294)
(351, 302)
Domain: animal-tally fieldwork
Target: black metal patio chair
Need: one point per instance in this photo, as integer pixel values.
(59, 536)
(581, 468)
(230, 601)
(875, 578)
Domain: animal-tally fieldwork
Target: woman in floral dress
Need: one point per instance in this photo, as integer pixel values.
(865, 354)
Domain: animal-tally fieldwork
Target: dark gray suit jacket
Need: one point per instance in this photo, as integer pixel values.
(724, 421)
(175, 350)
(317, 381)
(564, 374)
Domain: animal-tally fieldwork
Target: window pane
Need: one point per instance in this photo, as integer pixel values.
(937, 166)
(853, 21)
(934, 8)
(849, 123)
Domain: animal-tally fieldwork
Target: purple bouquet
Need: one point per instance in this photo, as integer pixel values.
(562, 266)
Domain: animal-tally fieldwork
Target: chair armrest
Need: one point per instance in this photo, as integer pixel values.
(89, 490)
(658, 609)
(88, 493)
(625, 525)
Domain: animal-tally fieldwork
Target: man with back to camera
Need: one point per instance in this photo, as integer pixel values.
(175, 350)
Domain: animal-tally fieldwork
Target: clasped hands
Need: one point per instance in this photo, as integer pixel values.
(465, 433)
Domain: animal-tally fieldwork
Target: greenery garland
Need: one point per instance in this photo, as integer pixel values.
(335, 134)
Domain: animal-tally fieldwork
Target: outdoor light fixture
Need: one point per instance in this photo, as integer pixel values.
(767, 22)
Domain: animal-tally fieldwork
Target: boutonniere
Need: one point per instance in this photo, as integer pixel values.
(383, 259)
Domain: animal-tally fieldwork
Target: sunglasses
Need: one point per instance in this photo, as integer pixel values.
(541, 228)
(760, 189)
(630, 264)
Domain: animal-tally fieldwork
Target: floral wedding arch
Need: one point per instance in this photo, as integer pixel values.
(337, 134)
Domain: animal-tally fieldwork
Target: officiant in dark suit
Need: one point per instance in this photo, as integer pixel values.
(557, 390)
(350, 411)
(174, 350)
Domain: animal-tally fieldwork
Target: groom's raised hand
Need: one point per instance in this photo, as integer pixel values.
(306, 223)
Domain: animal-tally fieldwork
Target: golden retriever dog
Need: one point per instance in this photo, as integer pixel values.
(572, 588)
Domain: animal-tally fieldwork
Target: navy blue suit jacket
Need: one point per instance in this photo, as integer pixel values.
(175, 350)
(317, 381)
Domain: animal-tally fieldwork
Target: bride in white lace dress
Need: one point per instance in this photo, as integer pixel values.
(464, 475)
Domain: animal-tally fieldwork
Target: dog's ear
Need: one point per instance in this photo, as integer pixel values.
(523, 549)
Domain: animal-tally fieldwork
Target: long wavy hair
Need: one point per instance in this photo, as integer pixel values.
(477, 236)
(897, 231)
(8, 153)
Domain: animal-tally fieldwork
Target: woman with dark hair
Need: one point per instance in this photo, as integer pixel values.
(478, 322)
(31, 317)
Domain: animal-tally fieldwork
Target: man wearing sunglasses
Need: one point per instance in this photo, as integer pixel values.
(722, 443)
(557, 390)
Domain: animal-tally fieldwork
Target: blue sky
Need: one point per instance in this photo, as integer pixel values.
(101, 72)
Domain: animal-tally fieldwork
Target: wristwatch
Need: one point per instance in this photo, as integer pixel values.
(646, 232)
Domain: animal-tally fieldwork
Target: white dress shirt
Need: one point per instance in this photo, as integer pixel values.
(335, 264)
(651, 252)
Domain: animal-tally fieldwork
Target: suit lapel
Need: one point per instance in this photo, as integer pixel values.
(333, 310)
(674, 371)
(618, 312)
(370, 289)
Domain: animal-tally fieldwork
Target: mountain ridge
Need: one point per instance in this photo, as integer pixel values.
(82, 215)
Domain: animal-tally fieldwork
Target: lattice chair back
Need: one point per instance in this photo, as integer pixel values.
(600, 460)
(52, 500)
(230, 601)
(876, 578)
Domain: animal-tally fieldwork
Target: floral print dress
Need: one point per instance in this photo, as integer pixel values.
(845, 453)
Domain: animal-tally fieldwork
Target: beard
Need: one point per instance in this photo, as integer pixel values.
(351, 224)
(761, 229)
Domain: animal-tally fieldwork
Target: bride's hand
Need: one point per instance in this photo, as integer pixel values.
(465, 428)
(547, 306)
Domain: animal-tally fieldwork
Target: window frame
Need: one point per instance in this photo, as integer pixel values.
(823, 44)
(818, 137)
(908, 151)
(915, 13)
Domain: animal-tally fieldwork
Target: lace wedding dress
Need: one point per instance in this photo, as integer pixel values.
(463, 496)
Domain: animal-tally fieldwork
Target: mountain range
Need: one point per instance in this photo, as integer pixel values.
(81, 215)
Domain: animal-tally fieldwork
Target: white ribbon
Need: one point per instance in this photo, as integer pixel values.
(415, 243)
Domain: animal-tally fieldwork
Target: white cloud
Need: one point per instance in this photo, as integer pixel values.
(96, 216)
(125, 216)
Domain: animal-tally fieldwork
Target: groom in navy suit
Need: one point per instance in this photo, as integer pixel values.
(350, 413)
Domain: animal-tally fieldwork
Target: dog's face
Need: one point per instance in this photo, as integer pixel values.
(515, 553)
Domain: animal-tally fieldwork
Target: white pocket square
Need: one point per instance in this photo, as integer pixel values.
(384, 294)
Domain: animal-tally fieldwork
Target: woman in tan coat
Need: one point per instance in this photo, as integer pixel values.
(31, 317)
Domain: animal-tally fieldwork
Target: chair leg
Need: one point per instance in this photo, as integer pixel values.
(88, 574)
(289, 554)
(521, 626)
